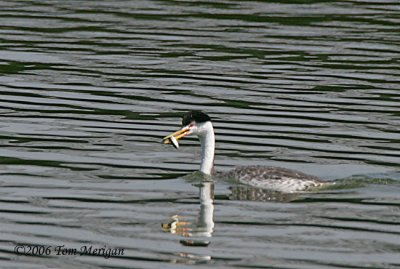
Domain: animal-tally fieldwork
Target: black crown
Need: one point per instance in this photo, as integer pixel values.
(196, 116)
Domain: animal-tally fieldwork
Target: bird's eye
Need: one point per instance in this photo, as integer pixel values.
(191, 125)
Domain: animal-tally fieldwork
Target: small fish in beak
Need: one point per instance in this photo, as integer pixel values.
(174, 142)
(173, 138)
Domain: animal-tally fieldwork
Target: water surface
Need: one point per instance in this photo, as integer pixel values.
(89, 88)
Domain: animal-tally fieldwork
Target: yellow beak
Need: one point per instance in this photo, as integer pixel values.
(177, 135)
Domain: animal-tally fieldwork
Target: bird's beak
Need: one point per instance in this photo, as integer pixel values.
(177, 135)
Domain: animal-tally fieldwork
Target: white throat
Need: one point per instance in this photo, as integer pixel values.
(207, 141)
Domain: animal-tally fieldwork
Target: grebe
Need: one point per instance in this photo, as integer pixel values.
(265, 177)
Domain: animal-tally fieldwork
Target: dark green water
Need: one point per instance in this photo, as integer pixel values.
(89, 88)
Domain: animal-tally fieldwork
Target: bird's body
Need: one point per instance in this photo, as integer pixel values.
(273, 178)
(266, 177)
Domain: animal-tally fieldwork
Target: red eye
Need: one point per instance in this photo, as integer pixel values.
(191, 125)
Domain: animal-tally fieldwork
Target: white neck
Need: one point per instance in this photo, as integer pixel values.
(207, 141)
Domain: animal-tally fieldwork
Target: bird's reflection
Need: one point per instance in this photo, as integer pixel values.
(203, 226)
(199, 232)
(248, 193)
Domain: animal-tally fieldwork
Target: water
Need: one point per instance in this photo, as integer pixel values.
(89, 88)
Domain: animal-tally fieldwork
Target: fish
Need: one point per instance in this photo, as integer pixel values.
(174, 142)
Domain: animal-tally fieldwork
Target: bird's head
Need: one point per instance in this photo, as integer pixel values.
(193, 123)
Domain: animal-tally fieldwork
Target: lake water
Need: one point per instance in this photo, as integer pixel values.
(89, 88)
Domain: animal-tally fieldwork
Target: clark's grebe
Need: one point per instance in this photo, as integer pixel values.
(266, 177)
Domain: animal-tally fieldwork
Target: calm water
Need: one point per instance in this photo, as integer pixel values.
(89, 88)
